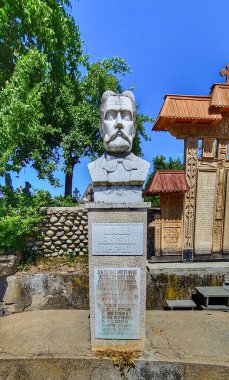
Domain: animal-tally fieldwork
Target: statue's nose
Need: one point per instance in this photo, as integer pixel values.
(118, 121)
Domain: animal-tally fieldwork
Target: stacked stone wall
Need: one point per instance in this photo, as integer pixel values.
(64, 232)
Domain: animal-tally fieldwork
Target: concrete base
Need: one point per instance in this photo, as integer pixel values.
(55, 345)
(117, 311)
(177, 281)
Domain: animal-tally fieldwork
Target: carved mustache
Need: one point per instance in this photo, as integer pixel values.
(116, 133)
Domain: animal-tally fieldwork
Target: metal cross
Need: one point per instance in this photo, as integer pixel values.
(225, 72)
(76, 193)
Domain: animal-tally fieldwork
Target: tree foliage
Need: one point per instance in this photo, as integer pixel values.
(21, 216)
(44, 25)
(160, 163)
(49, 91)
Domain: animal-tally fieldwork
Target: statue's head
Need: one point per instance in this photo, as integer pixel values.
(117, 117)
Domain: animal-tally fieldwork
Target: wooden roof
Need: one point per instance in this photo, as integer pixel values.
(195, 109)
(183, 108)
(220, 96)
(167, 181)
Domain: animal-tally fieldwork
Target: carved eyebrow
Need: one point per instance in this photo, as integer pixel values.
(122, 110)
(110, 110)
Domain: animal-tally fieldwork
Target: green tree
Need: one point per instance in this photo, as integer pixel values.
(21, 215)
(49, 92)
(160, 163)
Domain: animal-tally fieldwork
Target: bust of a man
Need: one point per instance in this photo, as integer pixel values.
(118, 166)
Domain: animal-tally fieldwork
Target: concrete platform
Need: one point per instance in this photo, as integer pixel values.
(55, 345)
(191, 267)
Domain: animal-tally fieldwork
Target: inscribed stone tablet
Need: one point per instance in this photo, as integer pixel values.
(117, 303)
(119, 239)
(204, 212)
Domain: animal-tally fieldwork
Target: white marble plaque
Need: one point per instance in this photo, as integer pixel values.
(119, 239)
(117, 303)
(206, 190)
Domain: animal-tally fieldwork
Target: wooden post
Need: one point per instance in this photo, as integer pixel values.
(190, 154)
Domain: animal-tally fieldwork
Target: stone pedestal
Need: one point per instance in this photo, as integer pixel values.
(117, 268)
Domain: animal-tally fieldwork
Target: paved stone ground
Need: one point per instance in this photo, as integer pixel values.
(55, 345)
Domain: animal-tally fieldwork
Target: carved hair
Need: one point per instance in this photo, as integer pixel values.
(109, 93)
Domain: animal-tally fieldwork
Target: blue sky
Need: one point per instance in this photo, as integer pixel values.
(172, 47)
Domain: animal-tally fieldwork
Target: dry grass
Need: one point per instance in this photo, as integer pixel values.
(57, 264)
(122, 360)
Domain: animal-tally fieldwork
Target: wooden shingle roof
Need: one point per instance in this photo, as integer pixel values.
(192, 109)
(220, 96)
(167, 181)
(185, 108)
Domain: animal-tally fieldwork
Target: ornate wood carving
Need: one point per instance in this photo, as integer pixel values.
(171, 213)
(226, 216)
(171, 238)
(200, 130)
(208, 150)
(207, 165)
(157, 236)
(190, 196)
(223, 128)
(183, 131)
(171, 207)
(222, 149)
(219, 209)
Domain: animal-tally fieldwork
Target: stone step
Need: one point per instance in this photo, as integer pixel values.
(180, 304)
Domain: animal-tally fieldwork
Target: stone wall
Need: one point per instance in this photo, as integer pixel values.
(64, 231)
(173, 281)
(44, 291)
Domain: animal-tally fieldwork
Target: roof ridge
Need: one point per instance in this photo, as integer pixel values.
(170, 170)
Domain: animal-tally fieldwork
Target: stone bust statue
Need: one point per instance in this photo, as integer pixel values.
(118, 166)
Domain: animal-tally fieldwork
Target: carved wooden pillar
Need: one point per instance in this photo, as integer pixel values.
(190, 152)
(226, 217)
(157, 237)
(219, 210)
(222, 154)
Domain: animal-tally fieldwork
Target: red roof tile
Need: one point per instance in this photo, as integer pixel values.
(167, 181)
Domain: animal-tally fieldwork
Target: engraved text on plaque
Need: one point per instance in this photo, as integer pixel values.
(117, 239)
(205, 211)
(117, 303)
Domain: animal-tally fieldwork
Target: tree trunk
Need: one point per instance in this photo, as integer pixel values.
(69, 176)
(68, 184)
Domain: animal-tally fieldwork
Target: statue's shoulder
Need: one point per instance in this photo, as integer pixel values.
(140, 162)
(96, 170)
(96, 163)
